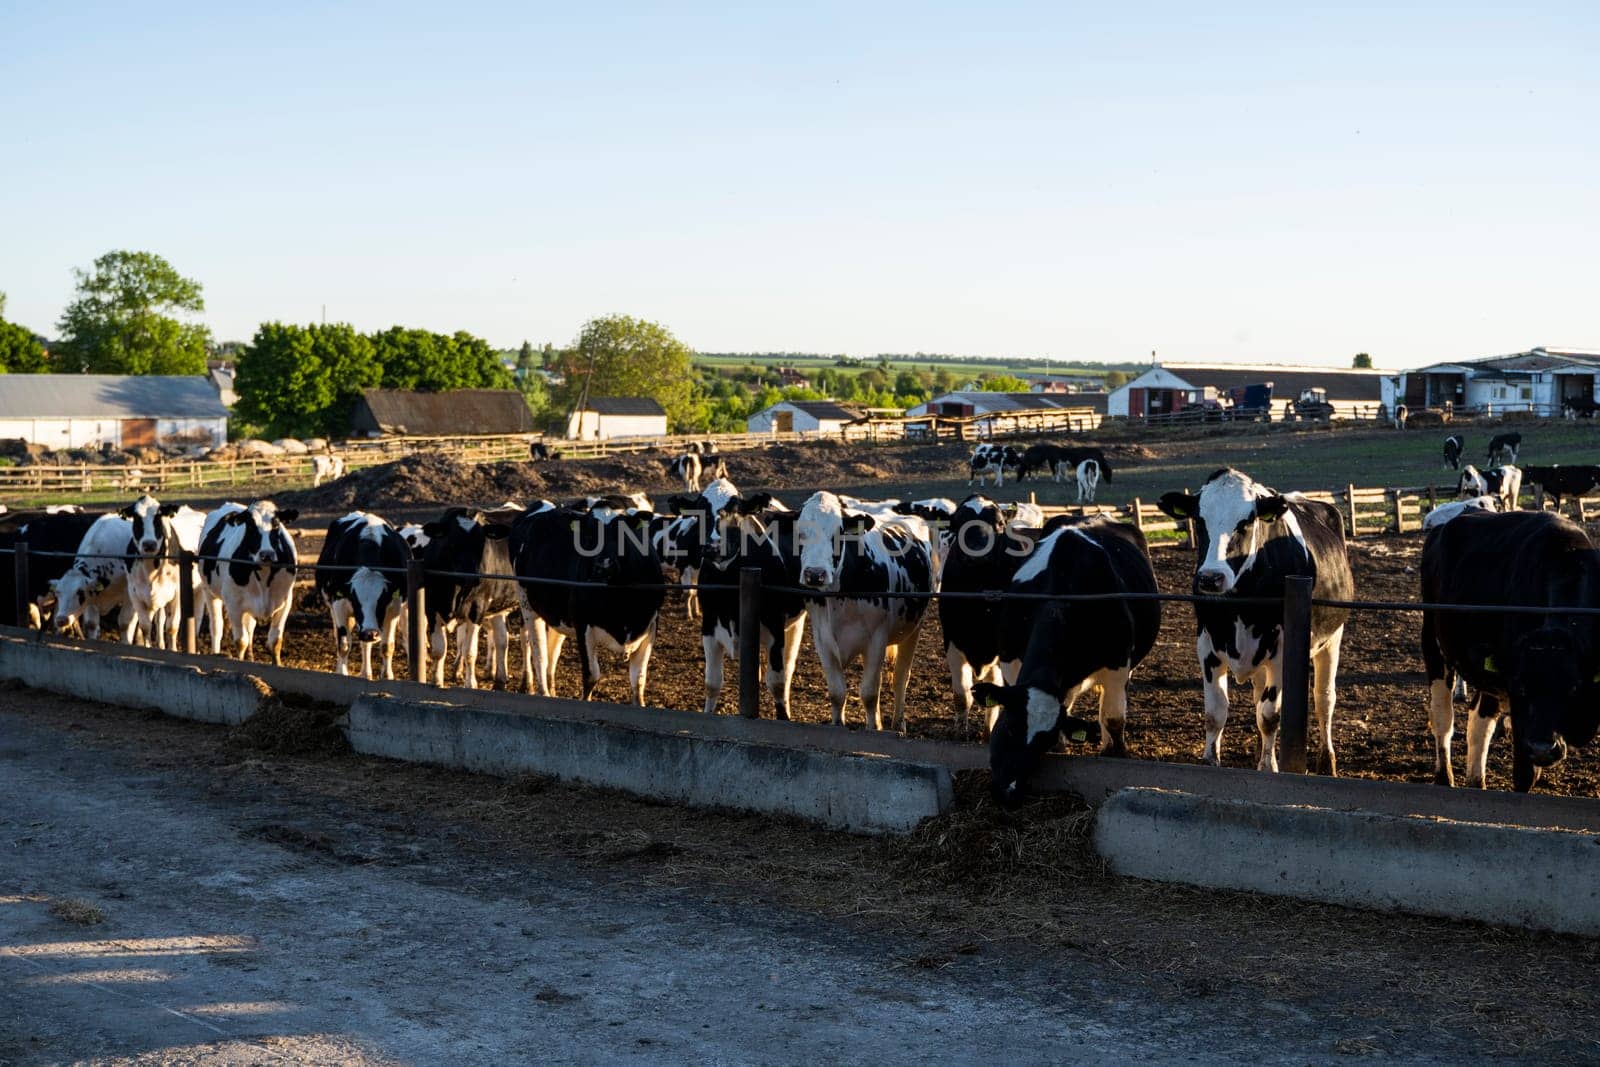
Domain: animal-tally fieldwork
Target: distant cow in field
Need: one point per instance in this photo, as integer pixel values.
(1506, 444)
(1454, 445)
(1559, 481)
(1088, 480)
(1251, 539)
(326, 469)
(686, 468)
(1574, 406)
(1502, 482)
(993, 461)
(1541, 668)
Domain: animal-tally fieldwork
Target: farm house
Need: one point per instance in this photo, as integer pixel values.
(1006, 412)
(600, 418)
(62, 411)
(411, 413)
(1168, 388)
(802, 416)
(1537, 380)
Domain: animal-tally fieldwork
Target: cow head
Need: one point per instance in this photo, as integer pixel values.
(264, 540)
(150, 528)
(1553, 691)
(76, 592)
(1024, 724)
(822, 528)
(1472, 483)
(739, 526)
(1230, 517)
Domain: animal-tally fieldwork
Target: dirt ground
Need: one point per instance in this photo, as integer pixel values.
(265, 905)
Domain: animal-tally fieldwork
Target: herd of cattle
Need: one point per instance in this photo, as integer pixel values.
(865, 574)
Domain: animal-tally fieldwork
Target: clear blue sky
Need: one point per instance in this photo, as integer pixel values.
(1080, 181)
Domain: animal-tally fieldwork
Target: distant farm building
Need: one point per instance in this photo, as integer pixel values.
(1537, 380)
(802, 416)
(988, 414)
(409, 413)
(1169, 388)
(601, 418)
(62, 411)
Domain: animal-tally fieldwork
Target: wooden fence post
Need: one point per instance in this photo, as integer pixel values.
(1431, 502)
(1138, 514)
(1399, 512)
(19, 564)
(750, 642)
(186, 619)
(1350, 495)
(1188, 530)
(416, 621)
(1296, 673)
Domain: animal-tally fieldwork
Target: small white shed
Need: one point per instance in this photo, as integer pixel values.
(601, 418)
(801, 416)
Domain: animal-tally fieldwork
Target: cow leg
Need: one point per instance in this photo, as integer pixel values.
(500, 654)
(532, 633)
(715, 653)
(214, 610)
(277, 622)
(557, 641)
(1269, 705)
(366, 659)
(1215, 684)
(390, 631)
(339, 611)
(639, 663)
(960, 685)
(247, 635)
(833, 671)
(589, 664)
(878, 653)
(467, 651)
(1441, 712)
(1113, 712)
(439, 649)
(1481, 723)
(903, 654)
(1325, 672)
(791, 656)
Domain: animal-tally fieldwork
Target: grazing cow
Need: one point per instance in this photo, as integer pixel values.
(686, 468)
(539, 452)
(1558, 481)
(359, 575)
(1542, 668)
(1445, 512)
(1251, 539)
(1077, 455)
(1503, 482)
(46, 534)
(992, 461)
(1508, 444)
(981, 555)
(601, 544)
(1400, 414)
(1088, 480)
(1070, 647)
(160, 531)
(1047, 457)
(326, 469)
(1574, 406)
(469, 542)
(97, 581)
(1454, 445)
(247, 562)
(749, 532)
(853, 554)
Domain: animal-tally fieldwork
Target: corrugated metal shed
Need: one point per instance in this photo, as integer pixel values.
(458, 411)
(824, 409)
(623, 405)
(115, 396)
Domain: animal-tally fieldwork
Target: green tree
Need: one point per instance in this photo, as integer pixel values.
(122, 321)
(302, 380)
(619, 355)
(1362, 361)
(1003, 383)
(527, 359)
(20, 351)
(1116, 379)
(436, 362)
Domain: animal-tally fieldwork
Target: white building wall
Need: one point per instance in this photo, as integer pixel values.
(765, 421)
(584, 426)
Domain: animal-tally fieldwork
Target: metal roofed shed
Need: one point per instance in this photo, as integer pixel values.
(62, 411)
(601, 418)
(409, 413)
(802, 416)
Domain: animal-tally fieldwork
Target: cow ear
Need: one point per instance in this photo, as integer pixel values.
(170, 509)
(989, 695)
(755, 502)
(1271, 508)
(288, 514)
(127, 512)
(859, 523)
(1180, 505)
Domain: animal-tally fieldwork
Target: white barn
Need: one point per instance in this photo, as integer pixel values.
(801, 416)
(601, 418)
(997, 413)
(118, 410)
(1537, 380)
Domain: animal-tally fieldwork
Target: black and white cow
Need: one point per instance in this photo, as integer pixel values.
(96, 584)
(936, 511)
(463, 542)
(1558, 481)
(1544, 669)
(47, 535)
(1502, 482)
(360, 573)
(159, 532)
(326, 469)
(1575, 406)
(1088, 480)
(247, 565)
(854, 555)
(686, 468)
(1445, 512)
(1068, 647)
(1454, 445)
(1046, 457)
(1251, 539)
(1508, 444)
(750, 532)
(603, 544)
(680, 539)
(993, 461)
(540, 452)
(981, 555)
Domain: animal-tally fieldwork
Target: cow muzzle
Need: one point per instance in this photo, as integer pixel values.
(266, 556)
(368, 636)
(148, 547)
(1212, 583)
(814, 578)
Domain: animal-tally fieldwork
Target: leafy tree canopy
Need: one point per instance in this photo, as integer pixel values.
(1362, 361)
(619, 355)
(301, 380)
(123, 319)
(1003, 383)
(20, 351)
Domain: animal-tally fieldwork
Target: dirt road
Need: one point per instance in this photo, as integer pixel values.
(260, 925)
